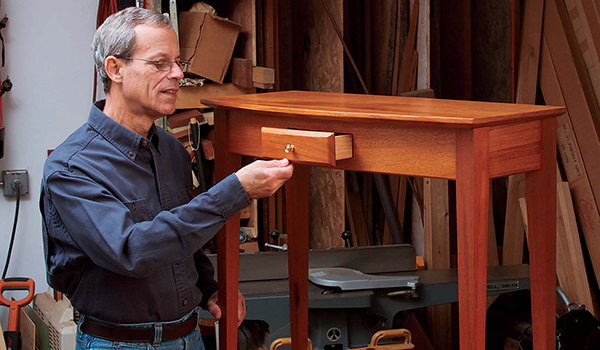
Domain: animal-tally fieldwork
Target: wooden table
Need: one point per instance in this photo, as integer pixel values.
(470, 142)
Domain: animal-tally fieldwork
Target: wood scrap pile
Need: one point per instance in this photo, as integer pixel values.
(569, 76)
(558, 52)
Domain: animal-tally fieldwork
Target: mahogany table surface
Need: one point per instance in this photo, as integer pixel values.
(468, 141)
(449, 113)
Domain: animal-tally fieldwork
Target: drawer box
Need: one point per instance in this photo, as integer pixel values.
(305, 146)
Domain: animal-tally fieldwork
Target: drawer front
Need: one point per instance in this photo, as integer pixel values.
(305, 146)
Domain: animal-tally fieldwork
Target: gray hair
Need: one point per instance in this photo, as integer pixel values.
(116, 37)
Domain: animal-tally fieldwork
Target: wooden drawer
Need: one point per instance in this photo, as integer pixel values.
(305, 146)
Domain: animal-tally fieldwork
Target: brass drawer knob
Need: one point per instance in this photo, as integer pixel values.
(289, 148)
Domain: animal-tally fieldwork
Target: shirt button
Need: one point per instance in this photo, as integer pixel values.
(132, 206)
(176, 262)
(184, 302)
(144, 143)
(131, 153)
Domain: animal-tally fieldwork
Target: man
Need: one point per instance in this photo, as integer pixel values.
(122, 233)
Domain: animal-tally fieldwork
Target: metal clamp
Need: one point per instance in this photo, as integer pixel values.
(283, 247)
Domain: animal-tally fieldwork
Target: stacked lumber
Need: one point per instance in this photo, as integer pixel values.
(565, 81)
(566, 55)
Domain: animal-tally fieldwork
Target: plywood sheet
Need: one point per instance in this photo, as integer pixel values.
(326, 210)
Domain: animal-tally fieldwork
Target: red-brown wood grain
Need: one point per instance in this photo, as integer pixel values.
(337, 106)
(463, 140)
(541, 217)
(296, 197)
(472, 198)
(227, 242)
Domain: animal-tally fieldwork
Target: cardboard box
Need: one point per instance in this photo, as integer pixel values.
(207, 42)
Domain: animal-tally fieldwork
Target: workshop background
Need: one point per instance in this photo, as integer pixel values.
(524, 51)
(49, 62)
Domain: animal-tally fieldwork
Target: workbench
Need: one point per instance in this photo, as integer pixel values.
(470, 142)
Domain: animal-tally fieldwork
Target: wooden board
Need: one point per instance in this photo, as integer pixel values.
(436, 224)
(398, 40)
(514, 229)
(341, 108)
(182, 118)
(586, 25)
(419, 338)
(241, 72)
(244, 12)
(27, 329)
(189, 97)
(580, 64)
(422, 46)
(526, 90)
(2, 341)
(404, 78)
(574, 95)
(381, 64)
(577, 175)
(437, 254)
(570, 266)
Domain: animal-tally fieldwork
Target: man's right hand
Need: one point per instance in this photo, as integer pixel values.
(262, 178)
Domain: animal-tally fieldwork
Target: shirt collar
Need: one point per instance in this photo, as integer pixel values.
(125, 140)
(153, 137)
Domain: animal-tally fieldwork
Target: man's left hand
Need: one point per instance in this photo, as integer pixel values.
(215, 310)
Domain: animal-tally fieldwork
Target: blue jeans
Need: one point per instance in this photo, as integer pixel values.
(192, 341)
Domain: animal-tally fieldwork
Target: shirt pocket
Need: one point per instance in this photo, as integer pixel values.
(185, 195)
(139, 210)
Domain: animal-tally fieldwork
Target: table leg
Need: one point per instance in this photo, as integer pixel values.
(472, 196)
(297, 226)
(541, 217)
(228, 241)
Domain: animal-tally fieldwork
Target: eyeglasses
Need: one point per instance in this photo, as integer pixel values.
(163, 64)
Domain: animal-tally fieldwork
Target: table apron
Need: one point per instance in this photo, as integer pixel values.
(397, 148)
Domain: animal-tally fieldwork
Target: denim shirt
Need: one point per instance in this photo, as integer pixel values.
(122, 233)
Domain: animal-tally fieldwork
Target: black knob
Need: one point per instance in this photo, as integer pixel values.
(275, 236)
(5, 86)
(346, 236)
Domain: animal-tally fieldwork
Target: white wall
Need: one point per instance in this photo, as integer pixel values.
(49, 62)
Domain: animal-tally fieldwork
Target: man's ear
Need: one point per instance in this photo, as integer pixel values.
(113, 67)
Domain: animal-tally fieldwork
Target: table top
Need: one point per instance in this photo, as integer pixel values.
(440, 112)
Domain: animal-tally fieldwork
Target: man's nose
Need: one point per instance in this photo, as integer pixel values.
(176, 72)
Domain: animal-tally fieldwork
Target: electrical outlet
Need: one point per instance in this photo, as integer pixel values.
(10, 179)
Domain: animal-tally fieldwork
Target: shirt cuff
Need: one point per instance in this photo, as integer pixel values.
(230, 196)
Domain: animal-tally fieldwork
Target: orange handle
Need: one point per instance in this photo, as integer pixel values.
(393, 333)
(287, 341)
(16, 283)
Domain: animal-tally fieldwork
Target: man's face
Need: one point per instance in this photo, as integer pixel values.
(148, 91)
